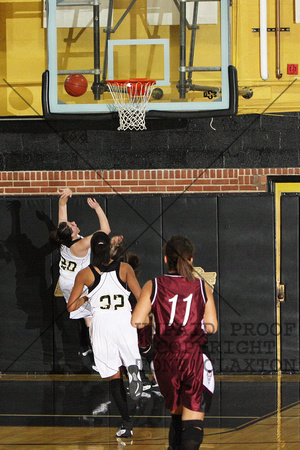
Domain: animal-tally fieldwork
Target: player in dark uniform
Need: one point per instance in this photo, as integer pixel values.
(184, 312)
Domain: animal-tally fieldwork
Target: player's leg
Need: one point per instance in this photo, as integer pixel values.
(186, 429)
(83, 330)
(88, 321)
(194, 411)
(131, 358)
(175, 429)
(81, 315)
(135, 382)
(192, 429)
(166, 370)
(146, 351)
(119, 395)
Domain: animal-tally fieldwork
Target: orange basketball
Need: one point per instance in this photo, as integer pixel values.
(76, 84)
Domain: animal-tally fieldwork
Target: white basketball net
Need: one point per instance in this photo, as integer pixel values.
(131, 98)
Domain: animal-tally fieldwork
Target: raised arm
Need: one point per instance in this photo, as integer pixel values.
(77, 297)
(65, 194)
(210, 318)
(132, 281)
(81, 246)
(140, 315)
(103, 221)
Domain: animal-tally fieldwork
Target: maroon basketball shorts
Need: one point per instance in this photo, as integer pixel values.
(185, 378)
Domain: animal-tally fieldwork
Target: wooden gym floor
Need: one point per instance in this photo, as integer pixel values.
(75, 412)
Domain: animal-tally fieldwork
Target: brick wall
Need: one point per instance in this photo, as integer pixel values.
(139, 181)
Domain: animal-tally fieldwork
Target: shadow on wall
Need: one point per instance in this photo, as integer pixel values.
(44, 313)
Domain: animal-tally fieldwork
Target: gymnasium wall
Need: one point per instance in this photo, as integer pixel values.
(233, 235)
(245, 141)
(213, 172)
(144, 181)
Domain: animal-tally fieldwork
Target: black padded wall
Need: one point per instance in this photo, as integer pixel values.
(196, 217)
(138, 219)
(290, 270)
(233, 236)
(246, 272)
(26, 330)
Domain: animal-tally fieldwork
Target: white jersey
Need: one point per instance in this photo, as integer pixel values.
(69, 266)
(114, 339)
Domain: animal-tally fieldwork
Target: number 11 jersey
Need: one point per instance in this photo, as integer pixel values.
(178, 306)
(180, 366)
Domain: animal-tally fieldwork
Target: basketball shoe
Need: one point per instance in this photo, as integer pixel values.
(125, 430)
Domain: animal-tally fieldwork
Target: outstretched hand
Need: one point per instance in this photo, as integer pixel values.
(65, 192)
(93, 203)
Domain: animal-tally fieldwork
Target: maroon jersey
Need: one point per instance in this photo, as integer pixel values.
(178, 306)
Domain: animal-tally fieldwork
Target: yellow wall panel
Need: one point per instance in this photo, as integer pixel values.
(25, 51)
(23, 57)
(246, 56)
(23, 54)
(24, 101)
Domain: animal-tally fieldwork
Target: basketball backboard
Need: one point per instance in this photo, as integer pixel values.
(184, 45)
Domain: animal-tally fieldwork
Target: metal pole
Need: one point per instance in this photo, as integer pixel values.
(182, 68)
(193, 40)
(96, 87)
(108, 33)
(277, 32)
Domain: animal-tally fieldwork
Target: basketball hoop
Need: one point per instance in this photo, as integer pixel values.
(131, 98)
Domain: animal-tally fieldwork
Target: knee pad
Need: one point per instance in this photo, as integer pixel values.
(192, 434)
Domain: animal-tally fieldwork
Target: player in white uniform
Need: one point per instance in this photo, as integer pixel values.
(114, 340)
(74, 251)
(69, 266)
(110, 328)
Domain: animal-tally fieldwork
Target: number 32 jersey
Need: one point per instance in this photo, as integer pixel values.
(178, 307)
(114, 339)
(109, 292)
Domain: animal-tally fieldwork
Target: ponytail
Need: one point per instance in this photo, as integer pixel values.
(185, 268)
(179, 251)
(100, 249)
(118, 252)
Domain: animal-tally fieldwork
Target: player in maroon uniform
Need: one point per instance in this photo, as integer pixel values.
(184, 311)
